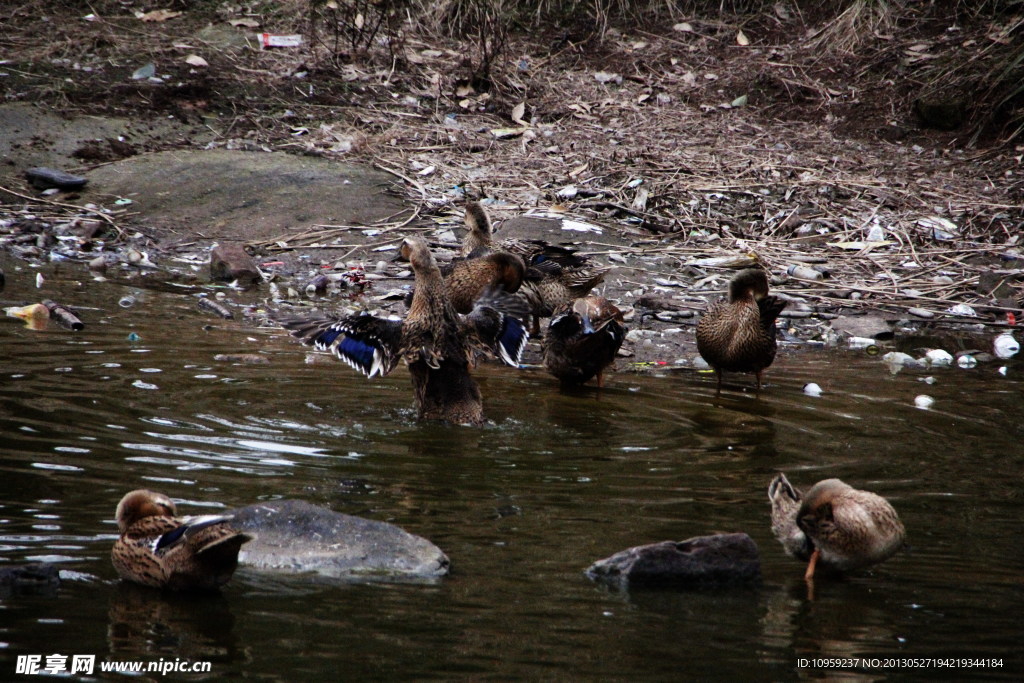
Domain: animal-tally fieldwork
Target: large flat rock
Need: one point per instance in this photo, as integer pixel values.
(251, 196)
(292, 536)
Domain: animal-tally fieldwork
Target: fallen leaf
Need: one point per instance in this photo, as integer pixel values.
(464, 90)
(606, 77)
(740, 101)
(518, 112)
(741, 39)
(247, 22)
(159, 15)
(683, 27)
(578, 170)
(196, 60)
(506, 133)
(640, 201)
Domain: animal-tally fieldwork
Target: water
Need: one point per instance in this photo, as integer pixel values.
(522, 506)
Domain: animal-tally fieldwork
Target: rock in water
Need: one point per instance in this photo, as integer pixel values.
(231, 262)
(39, 578)
(701, 562)
(294, 536)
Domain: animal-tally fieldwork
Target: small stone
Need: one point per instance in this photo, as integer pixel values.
(873, 326)
(921, 312)
(231, 262)
(701, 562)
(924, 401)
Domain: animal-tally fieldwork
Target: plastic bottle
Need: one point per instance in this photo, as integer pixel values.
(804, 273)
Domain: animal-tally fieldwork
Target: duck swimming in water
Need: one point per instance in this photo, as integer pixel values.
(582, 340)
(157, 549)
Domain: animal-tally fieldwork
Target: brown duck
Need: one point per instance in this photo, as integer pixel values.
(582, 340)
(466, 280)
(157, 549)
(555, 276)
(437, 344)
(738, 335)
(834, 524)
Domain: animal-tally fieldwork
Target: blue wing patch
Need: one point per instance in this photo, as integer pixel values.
(512, 340)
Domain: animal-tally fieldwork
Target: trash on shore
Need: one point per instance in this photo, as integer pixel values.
(207, 304)
(43, 178)
(63, 315)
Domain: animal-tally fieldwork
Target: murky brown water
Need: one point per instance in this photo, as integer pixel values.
(522, 506)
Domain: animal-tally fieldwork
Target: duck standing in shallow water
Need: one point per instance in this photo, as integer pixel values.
(555, 276)
(834, 525)
(157, 549)
(437, 344)
(582, 340)
(738, 335)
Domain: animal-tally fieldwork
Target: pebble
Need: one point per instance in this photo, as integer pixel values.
(920, 312)
(924, 401)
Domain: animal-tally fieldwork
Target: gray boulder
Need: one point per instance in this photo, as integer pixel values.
(702, 562)
(293, 536)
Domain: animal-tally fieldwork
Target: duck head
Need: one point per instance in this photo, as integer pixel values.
(750, 282)
(140, 504)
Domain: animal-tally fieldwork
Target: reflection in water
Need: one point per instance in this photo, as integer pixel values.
(555, 480)
(146, 621)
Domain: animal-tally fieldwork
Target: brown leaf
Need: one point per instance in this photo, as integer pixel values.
(518, 112)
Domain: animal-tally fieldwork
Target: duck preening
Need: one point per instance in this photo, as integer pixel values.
(738, 335)
(438, 345)
(834, 525)
(157, 549)
(582, 340)
(555, 276)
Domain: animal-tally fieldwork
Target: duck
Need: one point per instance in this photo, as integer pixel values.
(738, 335)
(555, 275)
(834, 525)
(467, 279)
(156, 548)
(438, 345)
(582, 340)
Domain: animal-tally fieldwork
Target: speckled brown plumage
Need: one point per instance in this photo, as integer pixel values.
(438, 345)
(555, 276)
(834, 525)
(582, 340)
(738, 335)
(157, 549)
(465, 280)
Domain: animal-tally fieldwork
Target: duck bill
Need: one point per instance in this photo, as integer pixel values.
(809, 574)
